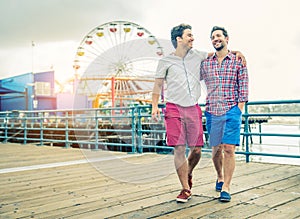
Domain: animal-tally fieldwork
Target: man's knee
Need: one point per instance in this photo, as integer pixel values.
(217, 150)
(229, 149)
(179, 149)
(195, 150)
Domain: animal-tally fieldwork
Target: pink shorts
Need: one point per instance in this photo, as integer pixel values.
(183, 125)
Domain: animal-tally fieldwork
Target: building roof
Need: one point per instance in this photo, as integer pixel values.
(4, 91)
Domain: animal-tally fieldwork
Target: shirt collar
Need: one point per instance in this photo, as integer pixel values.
(228, 56)
(189, 52)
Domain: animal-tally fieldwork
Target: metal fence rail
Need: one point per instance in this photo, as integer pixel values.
(91, 128)
(248, 134)
(128, 129)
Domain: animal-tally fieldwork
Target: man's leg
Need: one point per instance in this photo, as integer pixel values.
(229, 165)
(181, 166)
(193, 159)
(218, 159)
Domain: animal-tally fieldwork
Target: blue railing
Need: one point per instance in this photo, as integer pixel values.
(249, 134)
(85, 128)
(129, 129)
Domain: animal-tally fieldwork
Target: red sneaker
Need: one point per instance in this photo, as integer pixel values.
(190, 181)
(184, 195)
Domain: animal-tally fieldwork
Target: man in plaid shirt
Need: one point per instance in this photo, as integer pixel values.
(226, 80)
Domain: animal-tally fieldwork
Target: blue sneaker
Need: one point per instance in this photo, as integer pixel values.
(225, 197)
(219, 186)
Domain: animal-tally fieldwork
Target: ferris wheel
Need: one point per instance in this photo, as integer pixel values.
(115, 64)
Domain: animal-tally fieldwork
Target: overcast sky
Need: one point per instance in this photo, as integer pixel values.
(267, 32)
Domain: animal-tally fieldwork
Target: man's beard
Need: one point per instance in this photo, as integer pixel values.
(220, 48)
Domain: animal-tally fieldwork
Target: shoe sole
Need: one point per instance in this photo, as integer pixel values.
(224, 200)
(183, 200)
(225, 197)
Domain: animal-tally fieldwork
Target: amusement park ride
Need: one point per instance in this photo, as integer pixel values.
(115, 64)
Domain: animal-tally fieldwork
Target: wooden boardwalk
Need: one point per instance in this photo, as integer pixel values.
(53, 182)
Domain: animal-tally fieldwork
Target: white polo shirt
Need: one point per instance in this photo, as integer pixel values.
(182, 76)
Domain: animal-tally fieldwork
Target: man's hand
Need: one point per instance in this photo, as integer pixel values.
(239, 55)
(155, 113)
(241, 105)
(155, 97)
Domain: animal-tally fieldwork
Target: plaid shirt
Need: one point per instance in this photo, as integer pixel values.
(227, 84)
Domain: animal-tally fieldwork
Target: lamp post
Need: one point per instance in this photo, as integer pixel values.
(32, 55)
(26, 98)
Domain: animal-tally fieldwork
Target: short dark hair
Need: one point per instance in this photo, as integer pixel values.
(219, 28)
(177, 31)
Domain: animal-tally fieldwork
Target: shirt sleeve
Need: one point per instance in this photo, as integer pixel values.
(161, 69)
(201, 71)
(243, 83)
(202, 55)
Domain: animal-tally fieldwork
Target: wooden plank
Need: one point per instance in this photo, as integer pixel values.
(239, 197)
(259, 176)
(11, 157)
(256, 206)
(83, 191)
(288, 210)
(112, 206)
(97, 197)
(142, 209)
(215, 209)
(39, 192)
(170, 183)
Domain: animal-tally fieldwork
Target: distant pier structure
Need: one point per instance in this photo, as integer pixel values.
(29, 91)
